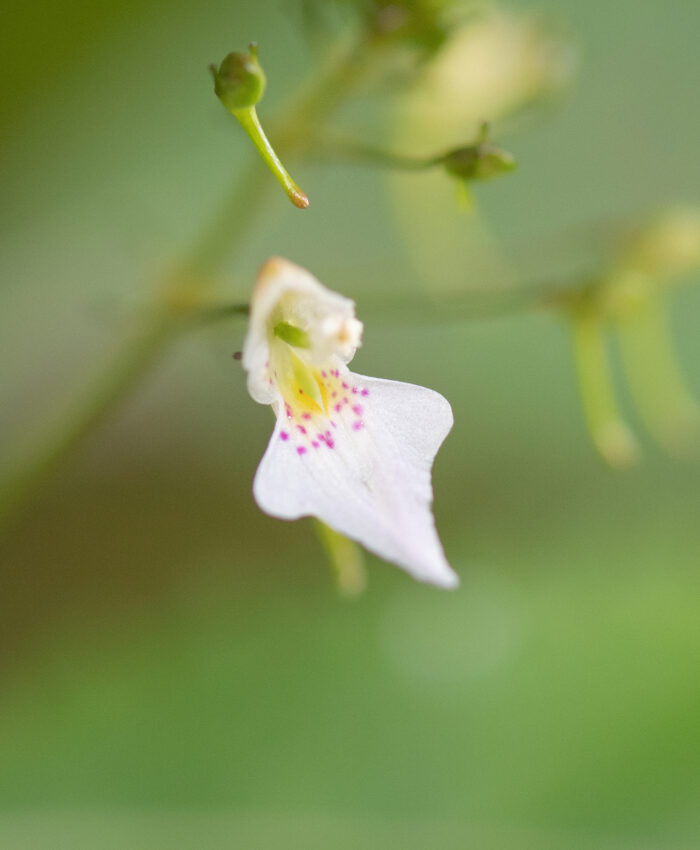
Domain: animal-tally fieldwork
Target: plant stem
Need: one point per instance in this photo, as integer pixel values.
(664, 401)
(611, 436)
(357, 151)
(346, 559)
(250, 122)
(85, 414)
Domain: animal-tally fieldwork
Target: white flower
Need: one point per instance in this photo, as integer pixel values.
(355, 452)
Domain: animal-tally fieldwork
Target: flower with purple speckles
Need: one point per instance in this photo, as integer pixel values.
(369, 478)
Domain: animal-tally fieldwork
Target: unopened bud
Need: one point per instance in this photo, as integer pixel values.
(480, 161)
(240, 80)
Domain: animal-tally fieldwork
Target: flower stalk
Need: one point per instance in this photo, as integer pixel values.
(478, 161)
(661, 395)
(248, 119)
(609, 433)
(240, 84)
(346, 559)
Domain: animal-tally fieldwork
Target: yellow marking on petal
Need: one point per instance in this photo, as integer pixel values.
(322, 389)
(308, 391)
(300, 383)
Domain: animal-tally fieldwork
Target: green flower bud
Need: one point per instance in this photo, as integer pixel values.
(482, 161)
(240, 80)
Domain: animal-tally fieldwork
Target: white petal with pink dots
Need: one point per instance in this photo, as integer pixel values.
(356, 452)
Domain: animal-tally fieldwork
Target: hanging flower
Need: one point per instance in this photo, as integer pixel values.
(353, 451)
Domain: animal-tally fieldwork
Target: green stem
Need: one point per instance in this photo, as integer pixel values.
(343, 70)
(664, 401)
(44, 454)
(353, 150)
(320, 96)
(611, 436)
(88, 411)
(226, 229)
(250, 122)
(346, 559)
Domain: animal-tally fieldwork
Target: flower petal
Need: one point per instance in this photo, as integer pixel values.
(282, 284)
(368, 475)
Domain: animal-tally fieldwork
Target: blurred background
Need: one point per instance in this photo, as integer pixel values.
(178, 670)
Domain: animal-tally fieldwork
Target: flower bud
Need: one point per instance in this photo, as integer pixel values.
(478, 162)
(240, 80)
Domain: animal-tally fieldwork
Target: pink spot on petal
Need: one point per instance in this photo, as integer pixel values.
(357, 409)
(284, 435)
(301, 450)
(301, 429)
(358, 425)
(355, 390)
(365, 393)
(323, 374)
(346, 400)
(306, 416)
(345, 386)
(338, 408)
(314, 444)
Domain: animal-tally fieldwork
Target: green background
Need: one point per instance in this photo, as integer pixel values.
(178, 670)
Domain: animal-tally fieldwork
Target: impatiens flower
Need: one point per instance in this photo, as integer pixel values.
(355, 452)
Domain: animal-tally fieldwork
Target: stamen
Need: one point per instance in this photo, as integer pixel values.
(292, 335)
